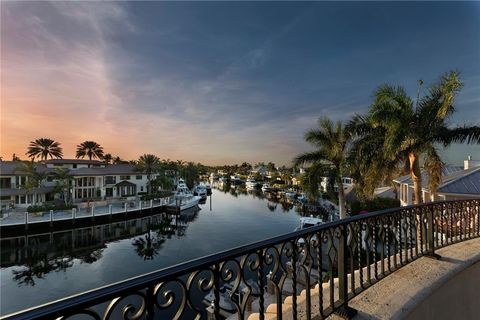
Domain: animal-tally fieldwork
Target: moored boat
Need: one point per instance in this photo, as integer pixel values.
(183, 197)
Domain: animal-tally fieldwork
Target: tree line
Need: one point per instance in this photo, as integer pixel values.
(398, 135)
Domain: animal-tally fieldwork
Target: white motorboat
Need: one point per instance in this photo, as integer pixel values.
(291, 194)
(307, 222)
(201, 191)
(251, 183)
(266, 187)
(183, 197)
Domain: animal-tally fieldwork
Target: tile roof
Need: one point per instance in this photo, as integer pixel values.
(454, 180)
(72, 161)
(466, 182)
(111, 169)
(446, 171)
(9, 168)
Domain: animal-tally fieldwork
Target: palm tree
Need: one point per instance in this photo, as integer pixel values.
(35, 178)
(43, 148)
(89, 149)
(331, 141)
(149, 164)
(403, 131)
(107, 158)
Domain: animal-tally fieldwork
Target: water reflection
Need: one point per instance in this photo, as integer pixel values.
(273, 199)
(34, 256)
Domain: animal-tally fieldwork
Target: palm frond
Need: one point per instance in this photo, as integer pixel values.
(463, 134)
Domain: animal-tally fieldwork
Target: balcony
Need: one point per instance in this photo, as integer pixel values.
(308, 274)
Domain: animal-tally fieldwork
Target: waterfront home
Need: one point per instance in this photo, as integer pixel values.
(261, 170)
(13, 192)
(347, 184)
(457, 183)
(91, 180)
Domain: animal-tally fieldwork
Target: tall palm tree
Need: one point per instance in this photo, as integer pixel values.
(332, 142)
(149, 164)
(402, 131)
(89, 149)
(43, 148)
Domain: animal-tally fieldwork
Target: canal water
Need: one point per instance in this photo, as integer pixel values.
(37, 269)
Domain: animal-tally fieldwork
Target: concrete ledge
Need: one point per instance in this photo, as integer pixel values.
(396, 296)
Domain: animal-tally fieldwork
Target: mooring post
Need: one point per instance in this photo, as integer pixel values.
(93, 211)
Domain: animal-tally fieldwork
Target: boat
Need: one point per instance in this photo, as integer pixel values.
(225, 302)
(209, 189)
(201, 191)
(183, 197)
(291, 194)
(251, 183)
(307, 222)
(266, 187)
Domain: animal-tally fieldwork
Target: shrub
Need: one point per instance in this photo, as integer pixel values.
(375, 204)
(43, 208)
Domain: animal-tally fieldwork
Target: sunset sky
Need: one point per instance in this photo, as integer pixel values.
(220, 82)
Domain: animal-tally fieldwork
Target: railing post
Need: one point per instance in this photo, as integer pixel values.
(430, 234)
(150, 303)
(51, 218)
(216, 290)
(140, 204)
(151, 203)
(344, 311)
(125, 207)
(110, 209)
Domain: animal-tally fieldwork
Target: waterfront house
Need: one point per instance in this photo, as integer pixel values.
(91, 181)
(13, 191)
(457, 183)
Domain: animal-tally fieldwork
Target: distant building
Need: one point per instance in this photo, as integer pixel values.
(457, 183)
(347, 184)
(91, 180)
(261, 170)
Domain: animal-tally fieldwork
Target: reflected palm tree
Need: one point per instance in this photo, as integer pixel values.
(38, 266)
(147, 247)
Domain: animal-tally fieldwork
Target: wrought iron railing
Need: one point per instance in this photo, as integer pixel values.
(306, 274)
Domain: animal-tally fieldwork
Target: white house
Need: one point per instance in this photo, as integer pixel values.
(457, 183)
(91, 180)
(12, 193)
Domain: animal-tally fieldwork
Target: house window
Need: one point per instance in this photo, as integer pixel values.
(109, 192)
(110, 180)
(124, 177)
(5, 183)
(74, 166)
(139, 177)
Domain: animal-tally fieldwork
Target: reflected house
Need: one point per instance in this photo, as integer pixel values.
(33, 256)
